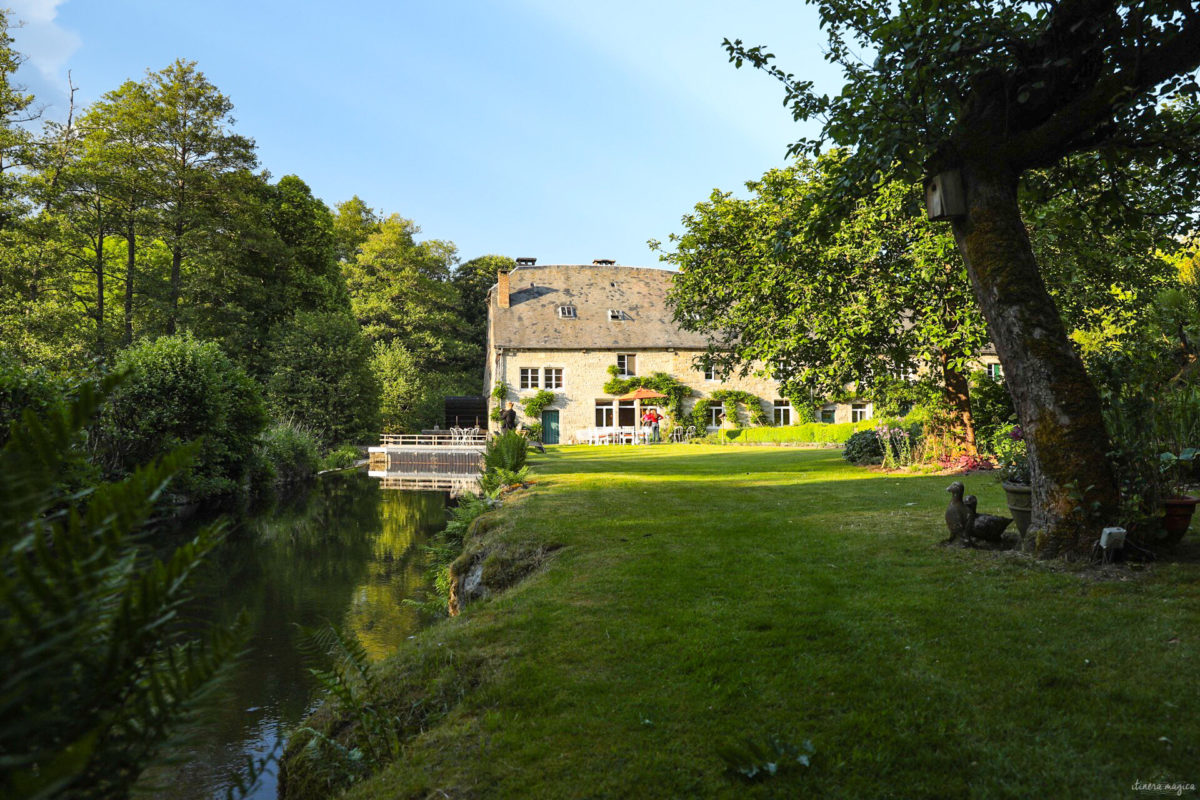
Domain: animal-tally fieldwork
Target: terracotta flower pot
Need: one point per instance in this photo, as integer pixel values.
(1178, 517)
(1020, 504)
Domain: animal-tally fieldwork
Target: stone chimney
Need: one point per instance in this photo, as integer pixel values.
(502, 288)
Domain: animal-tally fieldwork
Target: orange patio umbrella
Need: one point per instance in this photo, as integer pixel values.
(637, 396)
(642, 394)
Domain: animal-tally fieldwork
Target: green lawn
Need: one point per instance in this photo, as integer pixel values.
(705, 594)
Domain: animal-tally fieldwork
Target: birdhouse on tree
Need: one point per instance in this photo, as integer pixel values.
(944, 196)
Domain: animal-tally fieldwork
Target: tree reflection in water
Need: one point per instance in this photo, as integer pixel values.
(342, 552)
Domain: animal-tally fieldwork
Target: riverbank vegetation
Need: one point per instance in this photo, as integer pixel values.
(98, 677)
(702, 602)
(141, 234)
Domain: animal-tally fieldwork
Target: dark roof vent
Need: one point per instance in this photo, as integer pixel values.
(526, 261)
(603, 262)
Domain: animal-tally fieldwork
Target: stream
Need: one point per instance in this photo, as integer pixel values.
(345, 551)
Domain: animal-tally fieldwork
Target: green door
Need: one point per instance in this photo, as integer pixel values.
(549, 427)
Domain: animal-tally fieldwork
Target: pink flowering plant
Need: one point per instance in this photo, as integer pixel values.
(1012, 454)
(897, 446)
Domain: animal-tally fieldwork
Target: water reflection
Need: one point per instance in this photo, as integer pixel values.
(348, 552)
(416, 471)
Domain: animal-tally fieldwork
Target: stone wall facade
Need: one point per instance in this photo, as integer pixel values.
(584, 373)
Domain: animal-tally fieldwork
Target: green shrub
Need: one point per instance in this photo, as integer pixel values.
(94, 677)
(808, 432)
(342, 457)
(21, 389)
(506, 451)
(322, 377)
(291, 451)
(176, 390)
(39, 393)
(863, 448)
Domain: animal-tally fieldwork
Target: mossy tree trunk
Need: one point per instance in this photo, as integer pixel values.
(1074, 487)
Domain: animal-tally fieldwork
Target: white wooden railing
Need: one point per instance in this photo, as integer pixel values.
(451, 438)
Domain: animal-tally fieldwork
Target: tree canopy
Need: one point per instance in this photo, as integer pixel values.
(982, 93)
(877, 306)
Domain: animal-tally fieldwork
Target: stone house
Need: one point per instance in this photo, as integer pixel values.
(560, 328)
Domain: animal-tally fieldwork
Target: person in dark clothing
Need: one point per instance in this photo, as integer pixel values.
(508, 419)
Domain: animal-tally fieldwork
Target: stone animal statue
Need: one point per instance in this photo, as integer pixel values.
(957, 513)
(987, 527)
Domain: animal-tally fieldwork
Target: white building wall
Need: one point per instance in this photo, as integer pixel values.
(586, 372)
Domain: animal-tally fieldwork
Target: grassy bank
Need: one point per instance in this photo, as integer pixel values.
(704, 595)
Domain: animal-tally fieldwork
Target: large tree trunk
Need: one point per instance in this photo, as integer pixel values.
(1074, 489)
(957, 390)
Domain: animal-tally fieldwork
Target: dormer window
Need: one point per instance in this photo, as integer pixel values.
(617, 315)
(566, 312)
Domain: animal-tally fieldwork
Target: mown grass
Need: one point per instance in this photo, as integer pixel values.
(705, 595)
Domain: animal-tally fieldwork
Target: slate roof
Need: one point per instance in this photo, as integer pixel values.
(535, 293)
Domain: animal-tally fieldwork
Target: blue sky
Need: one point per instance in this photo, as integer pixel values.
(560, 130)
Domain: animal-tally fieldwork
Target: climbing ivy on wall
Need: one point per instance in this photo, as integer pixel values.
(534, 406)
(804, 408)
(499, 394)
(675, 391)
(734, 400)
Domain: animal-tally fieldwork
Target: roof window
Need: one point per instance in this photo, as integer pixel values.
(566, 312)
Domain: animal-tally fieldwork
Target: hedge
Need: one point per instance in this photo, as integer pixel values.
(814, 432)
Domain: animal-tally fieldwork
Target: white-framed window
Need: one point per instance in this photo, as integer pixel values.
(715, 413)
(828, 415)
(529, 377)
(552, 378)
(783, 412)
(995, 372)
(710, 373)
(605, 415)
(566, 312)
(617, 315)
(626, 364)
(859, 412)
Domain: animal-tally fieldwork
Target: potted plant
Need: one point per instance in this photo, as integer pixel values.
(1013, 456)
(1178, 504)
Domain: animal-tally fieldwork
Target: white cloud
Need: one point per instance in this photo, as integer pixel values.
(40, 39)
